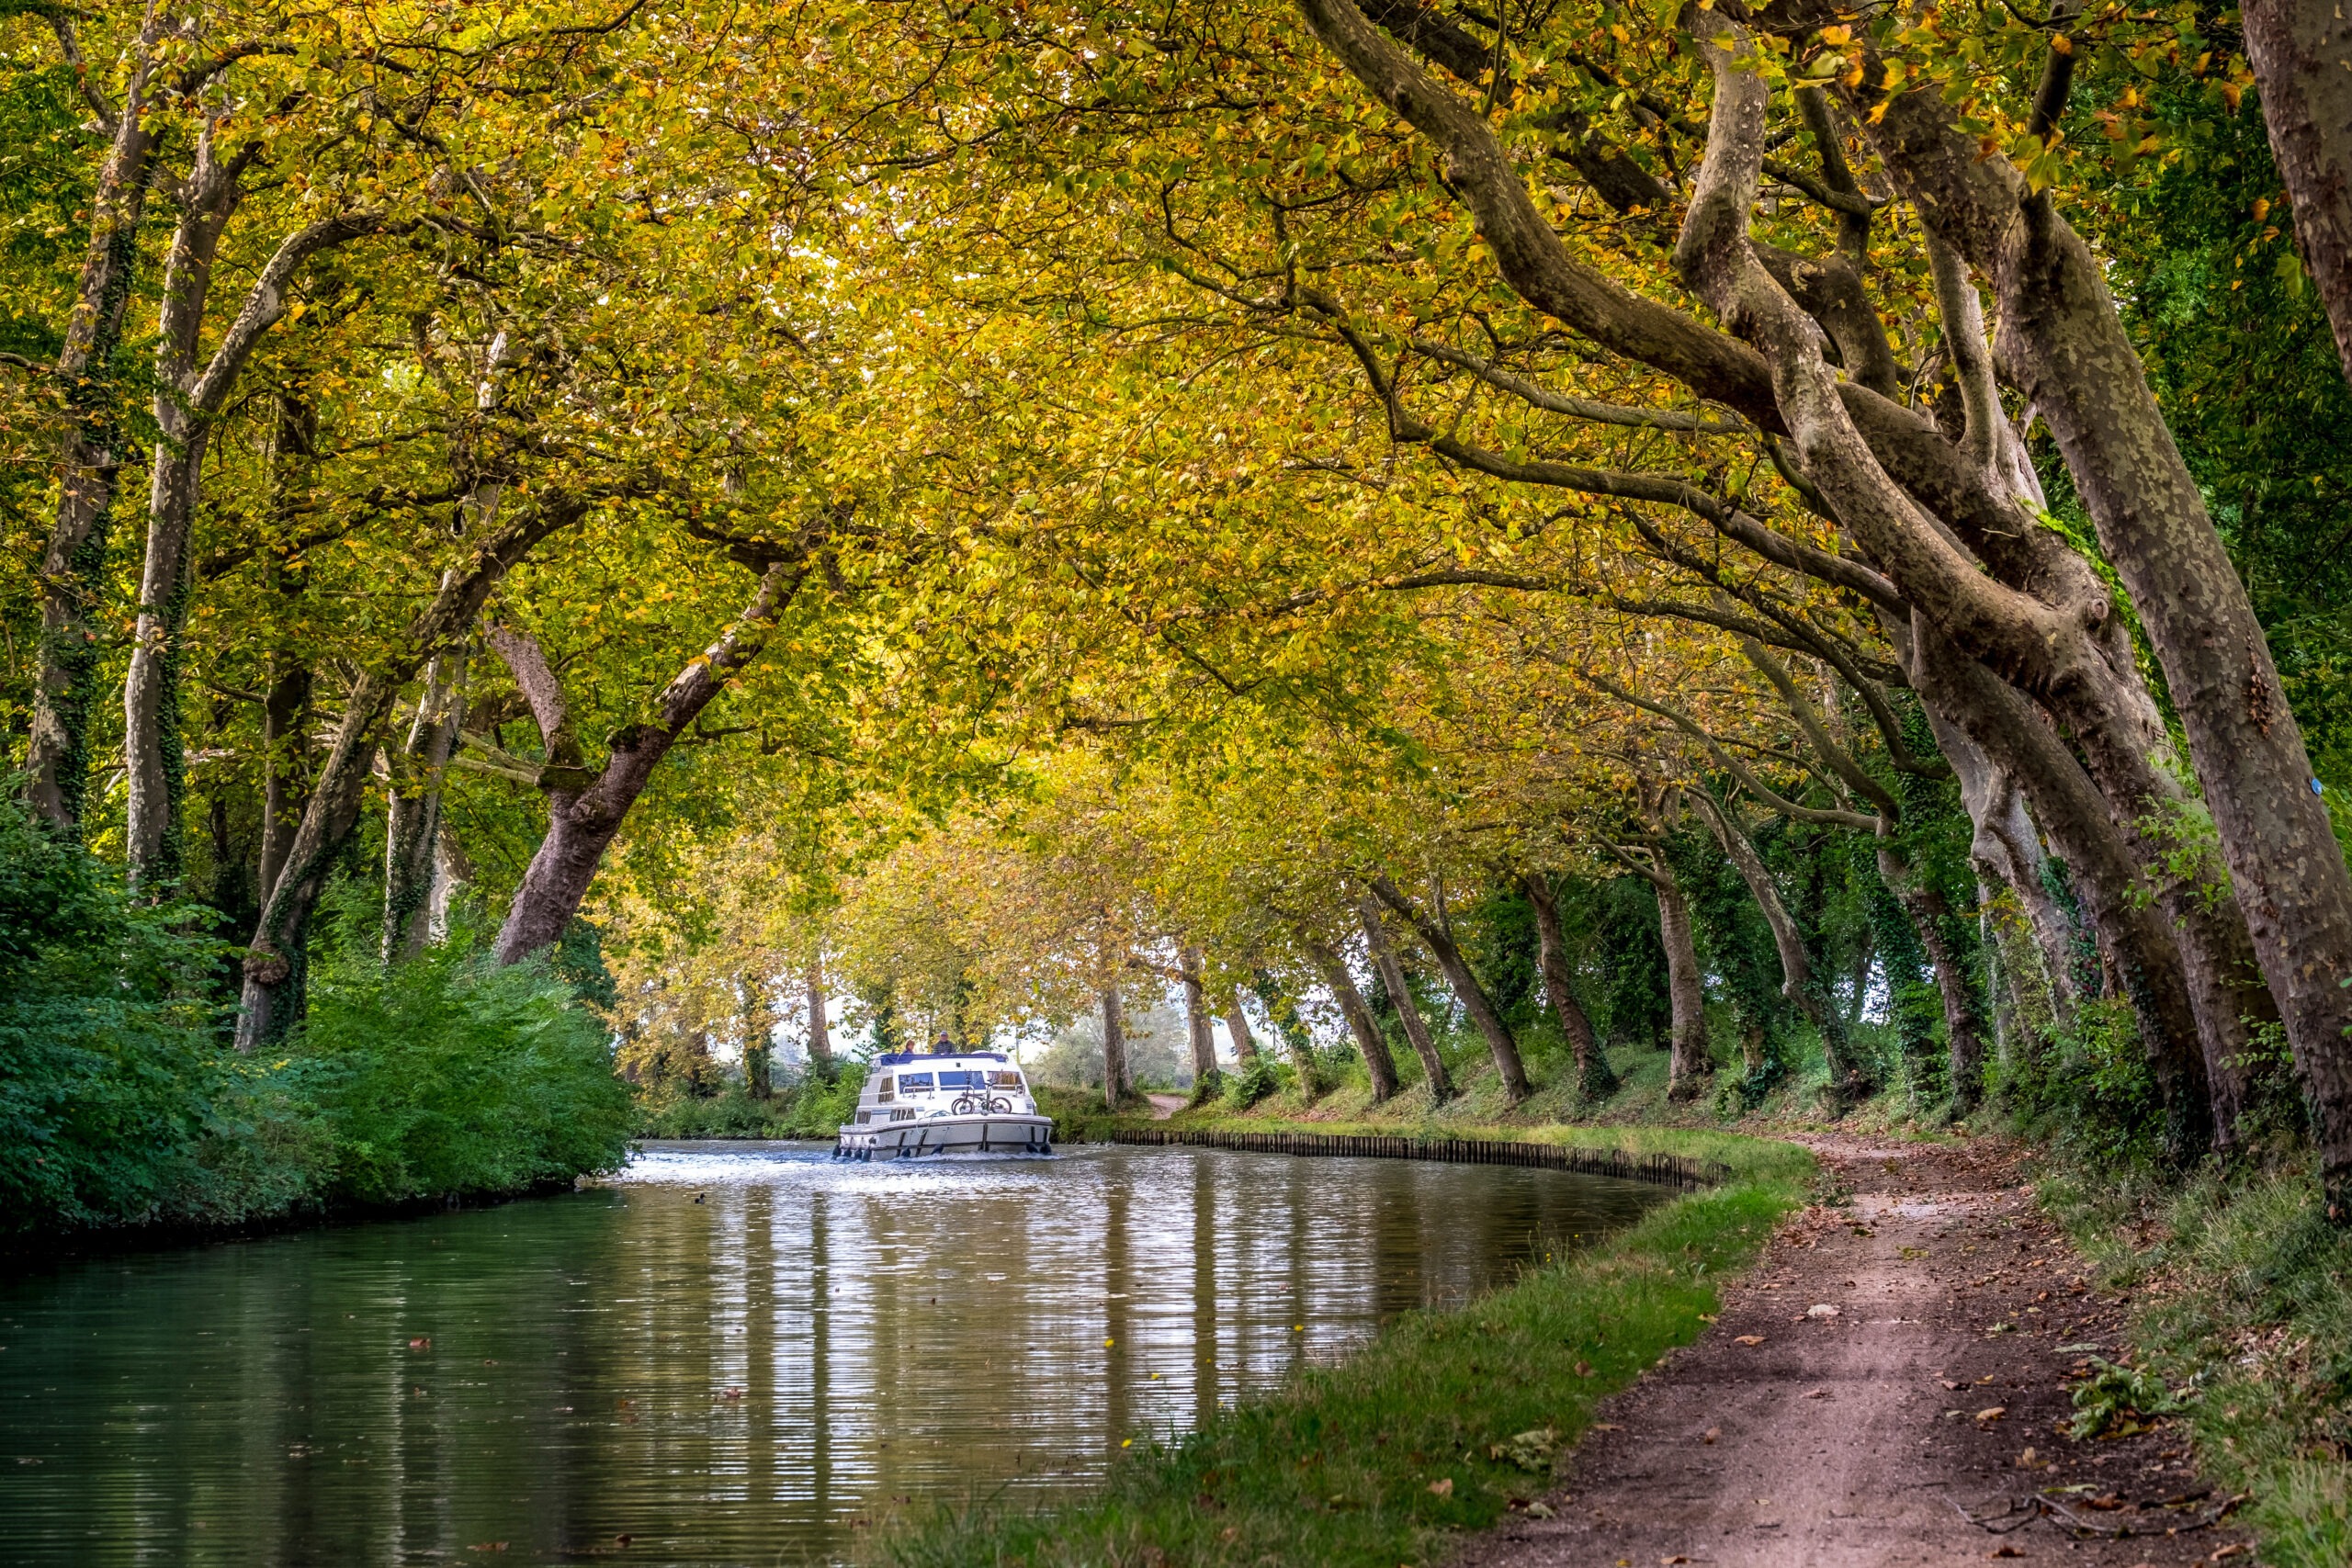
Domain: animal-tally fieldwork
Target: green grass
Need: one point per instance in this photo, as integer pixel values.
(2242, 1300)
(1339, 1467)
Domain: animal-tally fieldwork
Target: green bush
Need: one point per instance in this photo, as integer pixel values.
(109, 1088)
(449, 1075)
(812, 1108)
(121, 1104)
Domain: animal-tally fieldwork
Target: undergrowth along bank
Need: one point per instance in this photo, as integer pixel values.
(2241, 1305)
(1440, 1426)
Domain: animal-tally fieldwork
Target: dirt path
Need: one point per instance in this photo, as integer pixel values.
(1163, 1106)
(1790, 1435)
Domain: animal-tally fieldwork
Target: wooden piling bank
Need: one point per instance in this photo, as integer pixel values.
(1666, 1170)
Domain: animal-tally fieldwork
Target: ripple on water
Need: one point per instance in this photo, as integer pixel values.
(728, 1353)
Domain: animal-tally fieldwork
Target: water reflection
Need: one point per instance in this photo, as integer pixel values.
(739, 1354)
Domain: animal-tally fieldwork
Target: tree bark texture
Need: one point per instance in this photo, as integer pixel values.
(759, 1037)
(585, 809)
(2072, 359)
(72, 566)
(1596, 1080)
(821, 1038)
(1200, 1030)
(188, 400)
(413, 807)
(1378, 1065)
(1114, 1049)
(1689, 1064)
(1408, 1013)
(270, 1001)
(1849, 1083)
(2301, 56)
(1237, 1023)
(2070, 810)
(1458, 973)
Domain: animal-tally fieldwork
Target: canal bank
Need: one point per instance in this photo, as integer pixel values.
(1448, 1423)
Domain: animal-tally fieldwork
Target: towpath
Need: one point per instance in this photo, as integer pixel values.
(1892, 1366)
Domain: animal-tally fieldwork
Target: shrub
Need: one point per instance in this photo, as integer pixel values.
(447, 1074)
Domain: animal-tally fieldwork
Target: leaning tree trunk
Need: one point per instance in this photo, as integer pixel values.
(2067, 349)
(1198, 1028)
(1408, 1013)
(1595, 1079)
(1963, 1020)
(271, 999)
(2301, 56)
(2071, 811)
(1237, 1023)
(412, 809)
(1377, 1063)
(1847, 1082)
(586, 808)
(1114, 1049)
(1501, 1045)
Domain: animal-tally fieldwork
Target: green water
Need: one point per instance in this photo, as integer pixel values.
(758, 1376)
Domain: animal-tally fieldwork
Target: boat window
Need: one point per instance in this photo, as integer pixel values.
(1004, 1080)
(960, 1081)
(914, 1083)
(884, 1094)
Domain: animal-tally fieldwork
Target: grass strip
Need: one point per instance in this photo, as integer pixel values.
(2241, 1300)
(1431, 1429)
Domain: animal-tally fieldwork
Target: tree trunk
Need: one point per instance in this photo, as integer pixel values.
(271, 1000)
(759, 1038)
(412, 808)
(2301, 56)
(451, 871)
(1689, 1065)
(1114, 1050)
(1996, 719)
(821, 1039)
(1963, 1018)
(1848, 1084)
(585, 810)
(2073, 362)
(1198, 1027)
(1595, 1079)
(1408, 1013)
(1360, 1024)
(72, 566)
(1237, 1023)
(1474, 1000)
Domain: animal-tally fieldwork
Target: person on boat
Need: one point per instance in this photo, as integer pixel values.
(943, 1046)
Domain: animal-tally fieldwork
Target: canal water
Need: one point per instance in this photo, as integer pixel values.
(734, 1354)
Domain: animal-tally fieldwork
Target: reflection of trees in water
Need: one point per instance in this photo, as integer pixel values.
(852, 1306)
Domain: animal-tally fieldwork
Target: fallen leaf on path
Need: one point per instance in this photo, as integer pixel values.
(1992, 1413)
(1671, 1561)
(1946, 1382)
(1816, 1393)
(1750, 1340)
(1606, 1427)
(1710, 1434)
(2005, 1552)
(1821, 1309)
(1443, 1488)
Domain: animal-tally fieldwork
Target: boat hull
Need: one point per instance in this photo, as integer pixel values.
(974, 1134)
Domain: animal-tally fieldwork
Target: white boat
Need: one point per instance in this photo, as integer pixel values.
(960, 1103)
